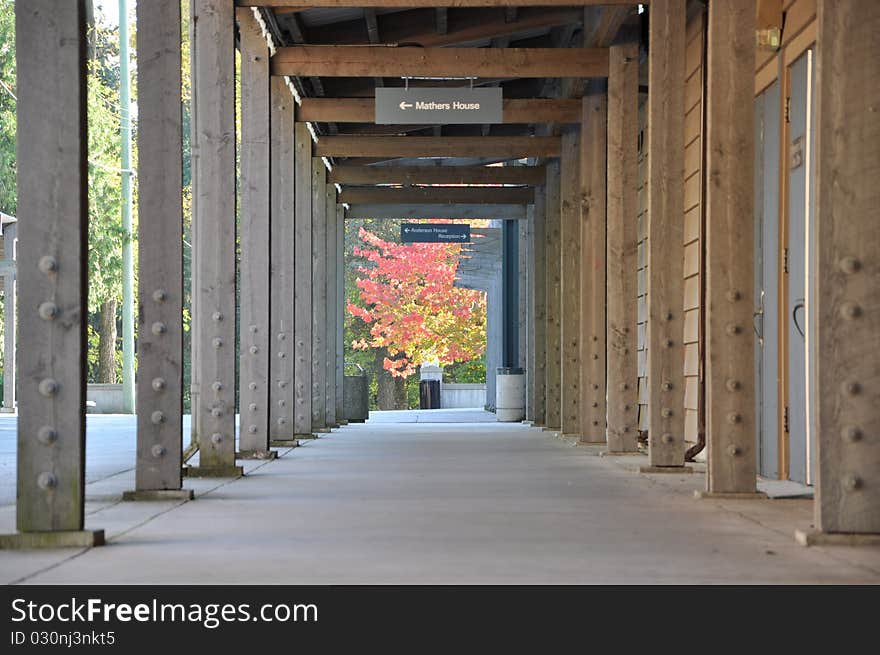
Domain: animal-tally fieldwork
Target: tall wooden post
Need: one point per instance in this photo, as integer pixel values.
(537, 303)
(51, 146)
(340, 310)
(319, 296)
(281, 280)
(665, 332)
(255, 329)
(160, 257)
(302, 287)
(622, 240)
(592, 266)
(553, 277)
(730, 250)
(570, 282)
(214, 187)
(845, 348)
(330, 323)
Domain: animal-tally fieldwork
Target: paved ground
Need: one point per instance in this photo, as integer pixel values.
(422, 502)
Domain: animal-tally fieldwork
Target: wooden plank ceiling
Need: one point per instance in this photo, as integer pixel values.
(553, 25)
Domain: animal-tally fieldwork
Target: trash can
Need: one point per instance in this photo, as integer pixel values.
(355, 396)
(510, 394)
(429, 394)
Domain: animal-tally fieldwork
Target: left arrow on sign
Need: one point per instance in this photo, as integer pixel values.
(405, 105)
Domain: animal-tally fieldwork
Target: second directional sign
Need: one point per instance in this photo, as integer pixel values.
(417, 106)
(435, 233)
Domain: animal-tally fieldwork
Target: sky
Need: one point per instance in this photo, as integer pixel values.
(110, 10)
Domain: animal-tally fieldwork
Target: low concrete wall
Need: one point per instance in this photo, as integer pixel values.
(108, 399)
(462, 395)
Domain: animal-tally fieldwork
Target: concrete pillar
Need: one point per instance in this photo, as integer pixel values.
(730, 250)
(494, 346)
(51, 143)
(843, 331)
(570, 283)
(666, 63)
(526, 341)
(340, 311)
(319, 296)
(330, 323)
(255, 329)
(160, 257)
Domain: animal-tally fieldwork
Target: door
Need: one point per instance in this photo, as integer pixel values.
(800, 216)
(767, 126)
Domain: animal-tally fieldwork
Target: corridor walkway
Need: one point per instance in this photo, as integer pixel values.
(463, 502)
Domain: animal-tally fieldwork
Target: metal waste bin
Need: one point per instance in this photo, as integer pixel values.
(510, 394)
(355, 396)
(429, 394)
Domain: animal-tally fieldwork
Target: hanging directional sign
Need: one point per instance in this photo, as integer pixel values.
(424, 106)
(435, 233)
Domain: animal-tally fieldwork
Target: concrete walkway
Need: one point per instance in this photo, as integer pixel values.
(442, 503)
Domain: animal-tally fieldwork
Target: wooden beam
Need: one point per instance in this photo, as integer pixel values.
(438, 195)
(665, 330)
(463, 146)
(570, 283)
(592, 336)
(214, 186)
(553, 299)
(283, 257)
(302, 288)
(537, 301)
(845, 354)
(362, 110)
(383, 61)
(730, 249)
(53, 222)
(255, 335)
(411, 175)
(302, 5)
(160, 251)
(319, 295)
(622, 241)
(460, 211)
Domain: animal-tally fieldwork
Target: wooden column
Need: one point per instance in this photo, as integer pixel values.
(160, 256)
(330, 324)
(570, 283)
(214, 187)
(622, 240)
(319, 296)
(255, 329)
(281, 279)
(10, 309)
(845, 348)
(302, 288)
(592, 265)
(340, 310)
(553, 278)
(665, 332)
(730, 249)
(537, 303)
(53, 212)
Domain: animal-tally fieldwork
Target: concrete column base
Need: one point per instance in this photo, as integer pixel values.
(213, 471)
(731, 495)
(52, 539)
(620, 453)
(321, 430)
(546, 428)
(307, 435)
(284, 443)
(817, 538)
(256, 454)
(586, 442)
(665, 469)
(158, 494)
(342, 422)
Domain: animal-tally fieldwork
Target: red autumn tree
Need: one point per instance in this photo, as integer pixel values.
(413, 310)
